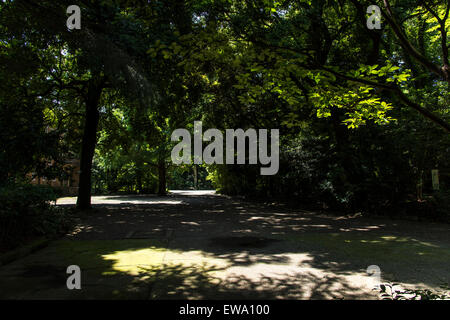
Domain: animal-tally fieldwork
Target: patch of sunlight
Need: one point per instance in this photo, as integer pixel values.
(131, 256)
(406, 239)
(427, 244)
(390, 238)
(138, 260)
(370, 241)
(120, 200)
(404, 249)
(130, 260)
(66, 198)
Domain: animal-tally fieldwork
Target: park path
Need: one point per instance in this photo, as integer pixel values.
(199, 245)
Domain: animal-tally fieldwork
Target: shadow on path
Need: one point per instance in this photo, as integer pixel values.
(199, 245)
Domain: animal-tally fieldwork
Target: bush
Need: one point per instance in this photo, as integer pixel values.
(393, 291)
(26, 212)
(442, 202)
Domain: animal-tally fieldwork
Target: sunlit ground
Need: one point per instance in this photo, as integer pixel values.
(138, 199)
(201, 246)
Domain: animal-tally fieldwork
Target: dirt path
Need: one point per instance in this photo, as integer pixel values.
(200, 245)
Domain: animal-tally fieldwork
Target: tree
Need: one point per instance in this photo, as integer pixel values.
(102, 61)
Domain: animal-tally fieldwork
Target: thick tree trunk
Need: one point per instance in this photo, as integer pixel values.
(88, 144)
(161, 178)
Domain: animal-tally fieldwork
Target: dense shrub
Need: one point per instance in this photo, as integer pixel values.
(26, 212)
(441, 202)
(393, 291)
(370, 173)
(182, 178)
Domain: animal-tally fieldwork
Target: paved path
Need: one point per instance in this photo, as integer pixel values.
(198, 245)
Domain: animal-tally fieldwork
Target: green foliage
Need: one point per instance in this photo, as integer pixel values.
(392, 291)
(308, 68)
(183, 178)
(235, 180)
(26, 212)
(440, 203)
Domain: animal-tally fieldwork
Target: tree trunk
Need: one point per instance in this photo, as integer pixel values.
(347, 160)
(161, 178)
(88, 144)
(139, 181)
(139, 171)
(195, 177)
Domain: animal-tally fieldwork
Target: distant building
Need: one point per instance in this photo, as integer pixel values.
(68, 186)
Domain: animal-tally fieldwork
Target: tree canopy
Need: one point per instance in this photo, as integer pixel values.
(363, 113)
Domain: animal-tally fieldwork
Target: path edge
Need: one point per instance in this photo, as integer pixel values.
(23, 251)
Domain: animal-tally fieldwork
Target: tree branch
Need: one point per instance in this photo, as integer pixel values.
(406, 44)
(396, 90)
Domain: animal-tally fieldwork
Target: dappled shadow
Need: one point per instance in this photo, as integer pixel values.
(135, 269)
(199, 282)
(407, 251)
(244, 245)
